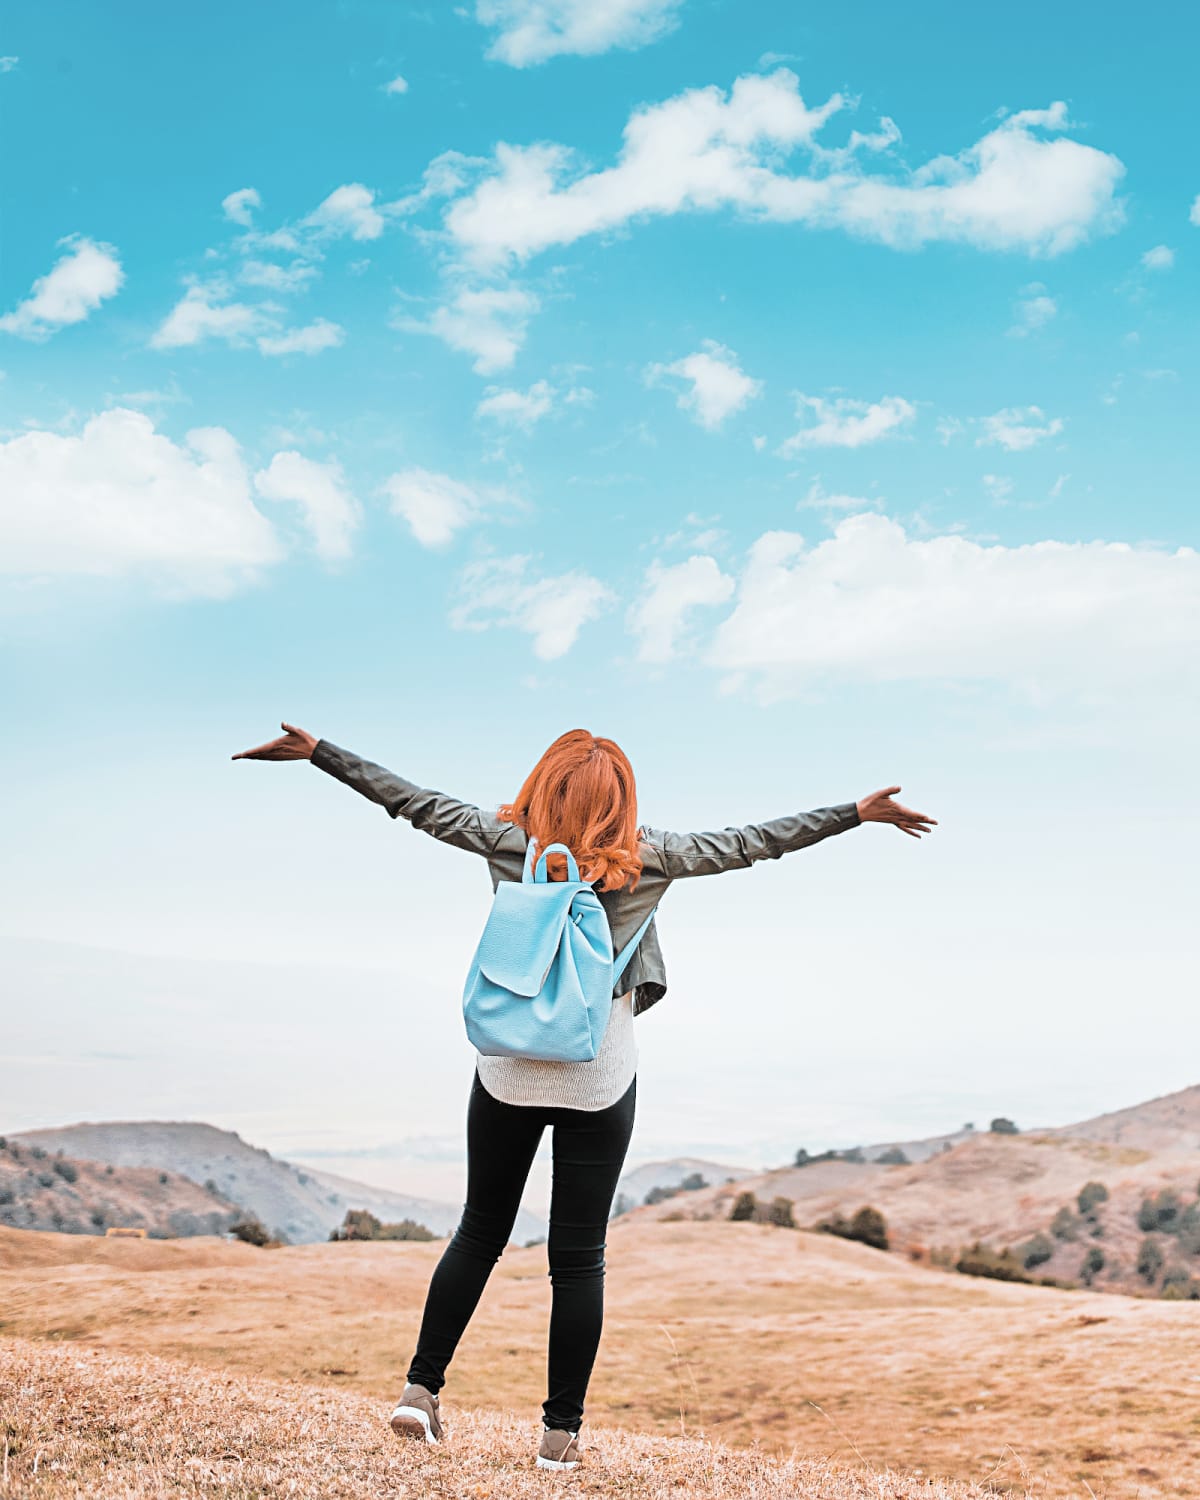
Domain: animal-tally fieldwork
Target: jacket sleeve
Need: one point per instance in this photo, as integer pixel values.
(685, 854)
(458, 823)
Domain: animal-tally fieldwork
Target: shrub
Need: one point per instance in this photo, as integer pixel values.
(6, 1195)
(1091, 1196)
(745, 1207)
(659, 1195)
(981, 1260)
(868, 1226)
(97, 1217)
(45, 1179)
(66, 1170)
(1093, 1262)
(250, 1232)
(1178, 1285)
(210, 1186)
(780, 1213)
(1036, 1251)
(3, 1143)
(1189, 1230)
(803, 1159)
(1163, 1211)
(1002, 1125)
(855, 1154)
(162, 1177)
(38, 1153)
(1150, 1260)
(892, 1157)
(108, 1171)
(1064, 1225)
(360, 1224)
(692, 1183)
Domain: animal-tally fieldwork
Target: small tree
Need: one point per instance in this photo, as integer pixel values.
(802, 1158)
(1064, 1225)
(780, 1213)
(744, 1208)
(869, 1226)
(854, 1154)
(1093, 1263)
(692, 1183)
(250, 1232)
(1091, 1196)
(1036, 1251)
(1002, 1125)
(1150, 1260)
(65, 1169)
(893, 1157)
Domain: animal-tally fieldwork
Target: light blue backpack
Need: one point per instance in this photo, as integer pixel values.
(541, 982)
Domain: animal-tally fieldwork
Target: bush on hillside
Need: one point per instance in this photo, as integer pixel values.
(867, 1226)
(780, 1213)
(1188, 1233)
(66, 1170)
(1163, 1211)
(745, 1208)
(1002, 1125)
(1150, 1260)
(1093, 1264)
(361, 1224)
(981, 1260)
(892, 1157)
(1036, 1251)
(250, 1232)
(1065, 1225)
(1179, 1285)
(1091, 1196)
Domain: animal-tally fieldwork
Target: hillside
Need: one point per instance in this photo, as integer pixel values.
(111, 1424)
(299, 1204)
(46, 1190)
(636, 1183)
(1005, 1189)
(849, 1355)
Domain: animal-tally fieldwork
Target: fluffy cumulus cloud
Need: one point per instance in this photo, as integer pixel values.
(1158, 258)
(714, 384)
(872, 603)
(328, 511)
(119, 498)
(1023, 186)
(349, 210)
(846, 423)
(487, 322)
(239, 207)
(437, 507)
(506, 591)
(531, 31)
(1017, 428)
(83, 277)
(670, 595)
(397, 85)
(206, 313)
(513, 408)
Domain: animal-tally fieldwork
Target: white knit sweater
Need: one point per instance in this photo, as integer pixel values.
(570, 1085)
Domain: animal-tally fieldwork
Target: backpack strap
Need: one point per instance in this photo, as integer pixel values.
(621, 962)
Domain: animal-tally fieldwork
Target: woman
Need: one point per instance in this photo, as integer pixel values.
(581, 794)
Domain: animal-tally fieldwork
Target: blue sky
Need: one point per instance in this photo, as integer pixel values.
(806, 399)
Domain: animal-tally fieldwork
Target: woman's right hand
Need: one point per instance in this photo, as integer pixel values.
(293, 744)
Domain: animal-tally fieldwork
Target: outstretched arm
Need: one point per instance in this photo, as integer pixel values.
(459, 823)
(686, 854)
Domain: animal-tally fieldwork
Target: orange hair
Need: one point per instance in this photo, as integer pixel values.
(582, 794)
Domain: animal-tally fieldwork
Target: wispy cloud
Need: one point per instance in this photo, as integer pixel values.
(846, 423)
(508, 592)
(532, 31)
(1017, 428)
(88, 274)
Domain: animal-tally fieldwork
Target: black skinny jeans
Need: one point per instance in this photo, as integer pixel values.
(588, 1152)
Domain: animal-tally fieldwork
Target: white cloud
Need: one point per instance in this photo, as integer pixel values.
(1034, 309)
(349, 209)
(275, 278)
(873, 604)
(239, 207)
(718, 386)
(845, 423)
(312, 339)
(1194, 214)
(1018, 427)
(7, 64)
(120, 499)
(1056, 488)
(1160, 258)
(489, 322)
(705, 150)
(669, 596)
(80, 280)
(530, 31)
(436, 506)
(398, 85)
(999, 488)
(553, 610)
(517, 408)
(329, 511)
(203, 313)
(817, 499)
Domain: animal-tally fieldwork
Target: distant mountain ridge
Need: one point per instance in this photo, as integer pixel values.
(296, 1203)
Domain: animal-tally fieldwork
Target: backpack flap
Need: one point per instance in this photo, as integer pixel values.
(523, 932)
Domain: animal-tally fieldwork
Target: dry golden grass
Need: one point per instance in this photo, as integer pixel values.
(78, 1425)
(729, 1332)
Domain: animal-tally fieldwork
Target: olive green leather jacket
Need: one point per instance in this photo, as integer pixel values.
(665, 856)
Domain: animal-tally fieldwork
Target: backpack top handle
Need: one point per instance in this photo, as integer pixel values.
(538, 875)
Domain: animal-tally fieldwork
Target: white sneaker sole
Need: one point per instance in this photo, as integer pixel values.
(412, 1422)
(554, 1463)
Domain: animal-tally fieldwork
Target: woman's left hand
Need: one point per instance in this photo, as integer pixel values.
(880, 807)
(293, 744)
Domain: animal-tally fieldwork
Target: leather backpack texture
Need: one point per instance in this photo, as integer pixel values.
(541, 982)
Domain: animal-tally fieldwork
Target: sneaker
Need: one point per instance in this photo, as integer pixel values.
(559, 1449)
(417, 1415)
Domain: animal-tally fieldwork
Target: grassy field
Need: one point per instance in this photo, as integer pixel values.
(734, 1333)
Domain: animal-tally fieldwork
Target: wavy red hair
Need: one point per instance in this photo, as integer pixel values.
(582, 794)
